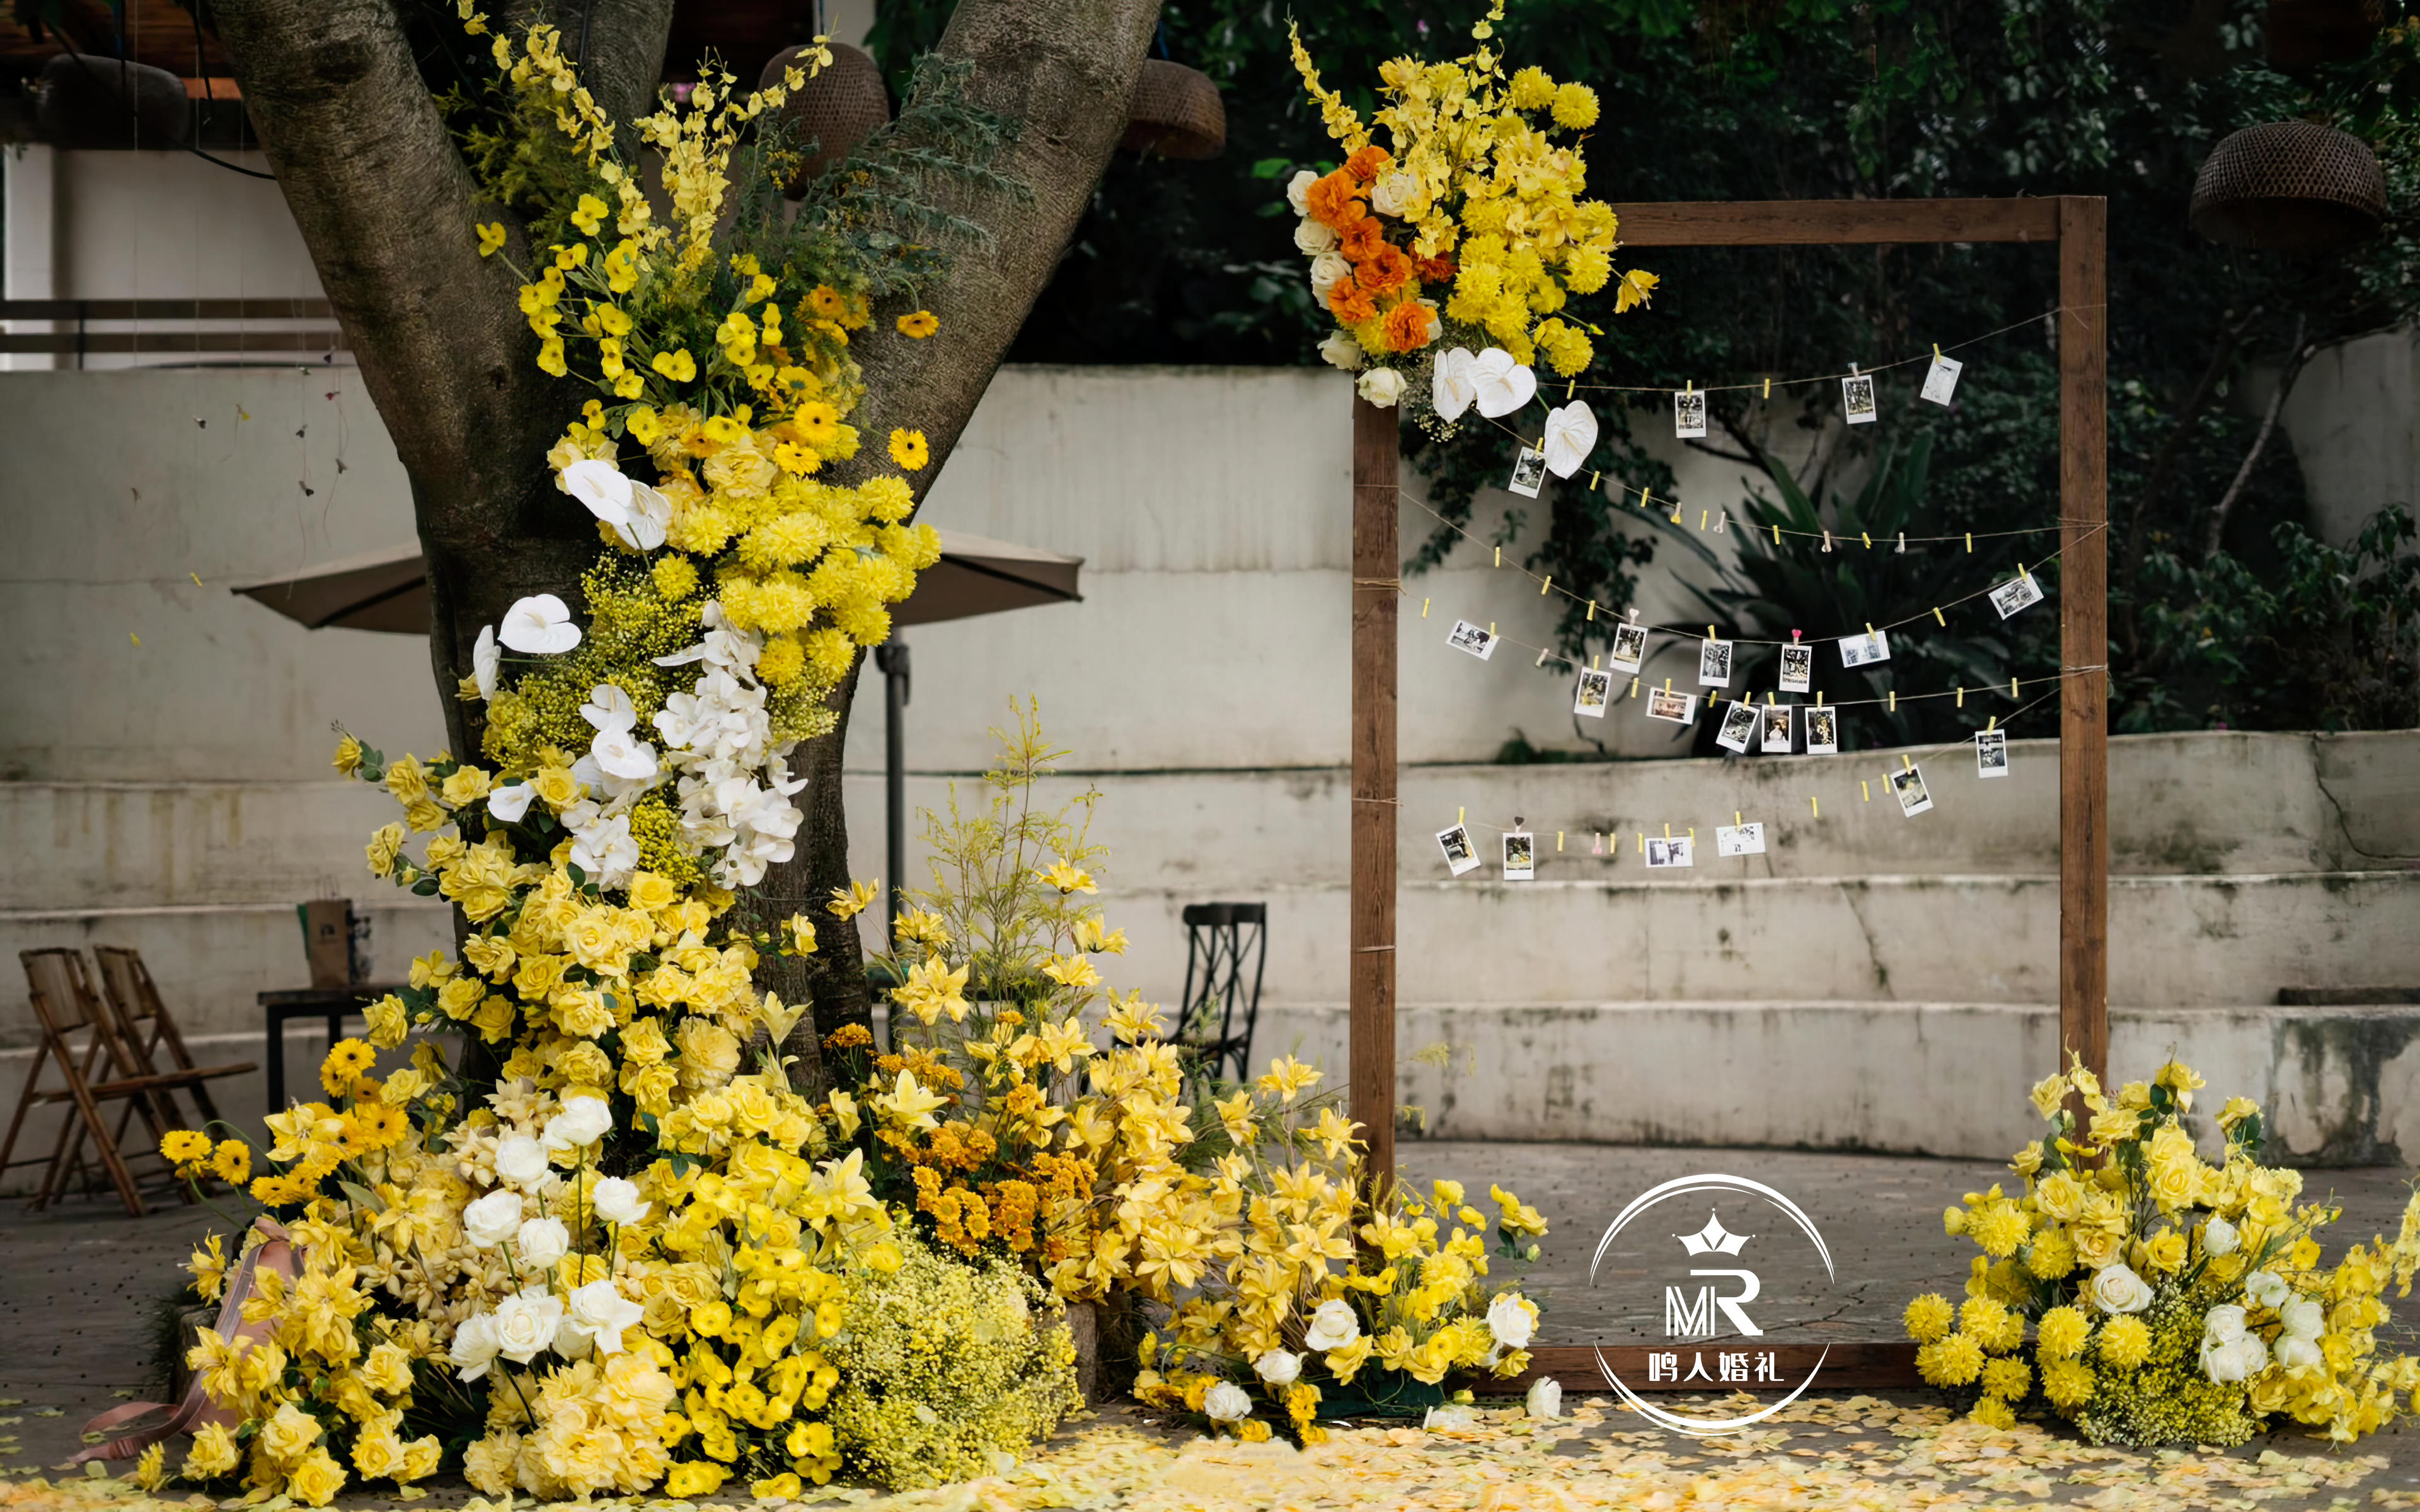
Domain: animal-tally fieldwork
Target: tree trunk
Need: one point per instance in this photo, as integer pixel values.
(386, 207)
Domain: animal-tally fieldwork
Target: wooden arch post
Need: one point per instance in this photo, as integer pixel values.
(2077, 226)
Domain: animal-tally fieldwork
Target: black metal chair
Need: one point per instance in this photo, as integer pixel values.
(1224, 943)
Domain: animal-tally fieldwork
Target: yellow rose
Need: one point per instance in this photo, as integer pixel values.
(426, 815)
(2096, 1247)
(406, 780)
(387, 1371)
(215, 1452)
(2166, 1250)
(650, 892)
(468, 785)
(557, 786)
(288, 1434)
(494, 1019)
(377, 1454)
(651, 1087)
(2176, 1184)
(318, 1480)
(594, 940)
(388, 1021)
(383, 847)
(2060, 1195)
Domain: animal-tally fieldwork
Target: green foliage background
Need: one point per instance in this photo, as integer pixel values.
(1193, 262)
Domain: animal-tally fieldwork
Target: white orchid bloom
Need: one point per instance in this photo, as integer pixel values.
(539, 626)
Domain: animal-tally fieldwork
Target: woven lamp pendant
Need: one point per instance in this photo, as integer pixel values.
(1176, 113)
(2290, 186)
(838, 108)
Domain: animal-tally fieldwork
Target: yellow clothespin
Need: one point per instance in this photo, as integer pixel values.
(1936, 352)
(1688, 385)
(1559, 840)
(1709, 633)
(1768, 385)
(1594, 662)
(1894, 701)
(1868, 539)
(1594, 478)
(2021, 569)
(1643, 842)
(1693, 834)
(1667, 684)
(1571, 388)
(1675, 512)
(1705, 515)
(1714, 698)
(1777, 535)
(1819, 698)
(1491, 629)
(1814, 810)
(1908, 761)
(1633, 688)
(1768, 697)
(1992, 724)
(1642, 498)
(2013, 687)
(1869, 627)
(1541, 657)
(1459, 814)
(1962, 696)
(1735, 813)
(196, 577)
(1547, 584)
(1938, 620)
(1865, 791)
(1424, 608)
(136, 639)
(1499, 556)
(1667, 830)
(1970, 542)
(1591, 611)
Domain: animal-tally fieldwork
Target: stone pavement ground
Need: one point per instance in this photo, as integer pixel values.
(80, 1282)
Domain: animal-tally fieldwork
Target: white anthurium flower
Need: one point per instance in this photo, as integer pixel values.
(1333, 1325)
(606, 854)
(539, 626)
(1545, 1399)
(1299, 190)
(1454, 386)
(609, 708)
(651, 517)
(1500, 384)
(510, 801)
(617, 500)
(618, 755)
(1571, 435)
(1226, 1402)
(1311, 237)
(1278, 1367)
(485, 662)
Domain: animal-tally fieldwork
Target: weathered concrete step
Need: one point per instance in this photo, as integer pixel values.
(2341, 1087)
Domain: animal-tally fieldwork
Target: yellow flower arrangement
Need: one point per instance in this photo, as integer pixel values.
(1468, 223)
(2174, 1301)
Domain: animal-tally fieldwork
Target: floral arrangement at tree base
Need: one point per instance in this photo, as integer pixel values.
(2170, 1299)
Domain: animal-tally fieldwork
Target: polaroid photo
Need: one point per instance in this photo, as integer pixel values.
(1857, 399)
(1822, 732)
(1776, 740)
(1914, 797)
(1742, 840)
(1941, 379)
(1520, 856)
(2019, 592)
(1595, 690)
(1797, 668)
(1739, 728)
(1689, 413)
(1865, 650)
(1529, 472)
(1715, 663)
(1629, 648)
(1676, 852)
(1991, 754)
(1459, 854)
(1476, 639)
(1671, 707)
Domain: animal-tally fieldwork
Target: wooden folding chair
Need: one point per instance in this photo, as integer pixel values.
(133, 997)
(63, 1002)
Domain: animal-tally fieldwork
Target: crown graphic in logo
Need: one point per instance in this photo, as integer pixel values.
(1712, 1239)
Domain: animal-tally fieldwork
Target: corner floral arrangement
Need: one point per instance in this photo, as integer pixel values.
(2168, 1299)
(1467, 228)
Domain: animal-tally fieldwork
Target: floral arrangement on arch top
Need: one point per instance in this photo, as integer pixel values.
(1467, 228)
(2172, 1299)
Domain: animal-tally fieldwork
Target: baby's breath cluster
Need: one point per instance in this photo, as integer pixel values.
(2174, 1300)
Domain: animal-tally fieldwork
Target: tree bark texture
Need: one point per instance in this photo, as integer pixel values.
(386, 205)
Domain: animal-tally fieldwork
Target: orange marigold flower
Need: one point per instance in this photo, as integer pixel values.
(1351, 302)
(1385, 271)
(1362, 237)
(1432, 269)
(1331, 202)
(1410, 326)
(1368, 163)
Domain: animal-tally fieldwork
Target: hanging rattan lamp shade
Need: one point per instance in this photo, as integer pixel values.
(2291, 186)
(838, 108)
(1176, 113)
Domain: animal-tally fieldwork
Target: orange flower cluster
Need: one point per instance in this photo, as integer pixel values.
(1381, 302)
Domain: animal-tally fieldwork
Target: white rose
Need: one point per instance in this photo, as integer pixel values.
(1279, 1368)
(2117, 1289)
(1381, 386)
(571, 1341)
(1227, 1402)
(1512, 1319)
(543, 1241)
(2240, 1361)
(522, 1161)
(1327, 269)
(1396, 194)
(492, 1219)
(2223, 1325)
(602, 1313)
(2303, 1318)
(1299, 189)
(1340, 351)
(1546, 1398)
(2218, 1237)
(1332, 1326)
(525, 1323)
(583, 1121)
(1451, 1417)
(1311, 237)
(474, 1346)
(2267, 1287)
(616, 1201)
(2297, 1354)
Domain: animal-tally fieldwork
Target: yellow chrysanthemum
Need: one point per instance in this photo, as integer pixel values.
(2062, 1332)
(1929, 1317)
(2123, 1343)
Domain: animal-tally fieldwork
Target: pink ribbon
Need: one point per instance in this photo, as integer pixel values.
(196, 1410)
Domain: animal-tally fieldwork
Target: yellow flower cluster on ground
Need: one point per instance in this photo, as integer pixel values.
(2173, 1300)
(1469, 223)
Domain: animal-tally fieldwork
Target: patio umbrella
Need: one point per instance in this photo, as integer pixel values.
(388, 591)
